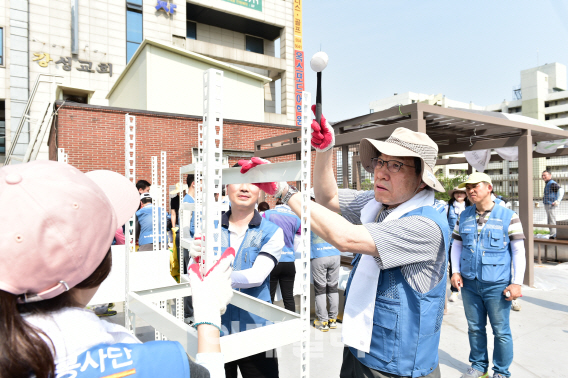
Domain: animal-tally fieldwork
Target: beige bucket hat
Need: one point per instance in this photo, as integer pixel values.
(456, 189)
(405, 142)
(178, 188)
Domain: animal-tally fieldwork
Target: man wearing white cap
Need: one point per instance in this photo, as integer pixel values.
(488, 239)
(400, 235)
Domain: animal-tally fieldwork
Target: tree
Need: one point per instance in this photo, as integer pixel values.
(449, 183)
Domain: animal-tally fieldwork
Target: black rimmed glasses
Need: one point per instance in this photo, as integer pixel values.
(392, 165)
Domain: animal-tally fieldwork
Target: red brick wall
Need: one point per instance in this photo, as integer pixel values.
(93, 137)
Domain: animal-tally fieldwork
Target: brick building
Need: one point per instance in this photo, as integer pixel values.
(93, 137)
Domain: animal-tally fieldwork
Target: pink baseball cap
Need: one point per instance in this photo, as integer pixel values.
(57, 224)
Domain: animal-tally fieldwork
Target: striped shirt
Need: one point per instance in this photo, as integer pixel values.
(515, 227)
(414, 243)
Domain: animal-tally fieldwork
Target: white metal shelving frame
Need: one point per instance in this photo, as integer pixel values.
(62, 156)
(287, 327)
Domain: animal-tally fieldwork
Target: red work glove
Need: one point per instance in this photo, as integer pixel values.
(323, 136)
(272, 188)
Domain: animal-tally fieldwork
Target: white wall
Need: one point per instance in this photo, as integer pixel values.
(182, 92)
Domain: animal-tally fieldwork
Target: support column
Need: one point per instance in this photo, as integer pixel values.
(526, 202)
(345, 165)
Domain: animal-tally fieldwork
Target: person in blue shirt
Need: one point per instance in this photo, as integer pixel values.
(285, 272)
(144, 224)
(189, 198)
(457, 203)
(553, 194)
(325, 262)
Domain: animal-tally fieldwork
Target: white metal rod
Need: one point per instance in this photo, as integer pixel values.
(258, 340)
(164, 323)
(276, 172)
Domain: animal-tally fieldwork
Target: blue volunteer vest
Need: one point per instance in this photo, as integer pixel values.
(406, 323)
(149, 360)
(144, 216)
(498, 201)
(290, 223)
(189, 199)
(486, 256)
(260, 231)
(549, 195)
(321, 248)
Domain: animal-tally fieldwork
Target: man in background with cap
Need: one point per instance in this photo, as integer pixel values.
(144, 224)
(396, 290)
(487, 239)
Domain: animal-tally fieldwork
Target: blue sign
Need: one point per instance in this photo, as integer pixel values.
(167, 7)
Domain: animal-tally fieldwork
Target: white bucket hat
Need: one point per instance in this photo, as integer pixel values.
(407, 143)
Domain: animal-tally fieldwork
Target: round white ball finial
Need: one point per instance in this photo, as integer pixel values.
(319, 61)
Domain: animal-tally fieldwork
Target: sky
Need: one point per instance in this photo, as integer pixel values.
(466, 50)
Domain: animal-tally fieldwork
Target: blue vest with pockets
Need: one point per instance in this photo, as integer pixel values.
(148, 360)
(549, 195)
(189, 199)
(321, 248)
(235, 319)
(487, 255)
(144, 216)
(406, 323)
(289, 222)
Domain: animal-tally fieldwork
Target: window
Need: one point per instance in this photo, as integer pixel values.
(133, 27)
(255, 45)
(1, 46)
(191, 30)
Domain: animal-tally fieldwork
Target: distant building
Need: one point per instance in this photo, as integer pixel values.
(543, 94)
(88, 45)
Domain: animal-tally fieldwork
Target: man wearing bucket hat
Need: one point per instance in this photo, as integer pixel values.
(401, 236)
(488, 239)
(53, 259)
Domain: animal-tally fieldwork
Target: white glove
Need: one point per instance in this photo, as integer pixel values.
(196, 249)
(212, 293)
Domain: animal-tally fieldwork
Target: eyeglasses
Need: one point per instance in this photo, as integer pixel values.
(392, 165)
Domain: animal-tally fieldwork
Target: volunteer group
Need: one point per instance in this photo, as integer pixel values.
(58, 224)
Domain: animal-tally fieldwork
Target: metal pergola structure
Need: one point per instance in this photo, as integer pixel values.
(455, 131)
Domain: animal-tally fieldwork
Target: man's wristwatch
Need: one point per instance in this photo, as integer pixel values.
(291, 191)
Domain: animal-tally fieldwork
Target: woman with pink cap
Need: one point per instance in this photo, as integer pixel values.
(56, 229)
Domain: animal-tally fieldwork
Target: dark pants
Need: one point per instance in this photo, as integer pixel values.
(284, 272)
(262, 365)
(452, 288)
(187, 301)
(353, 368)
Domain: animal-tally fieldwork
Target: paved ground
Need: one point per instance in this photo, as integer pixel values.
(540, 333)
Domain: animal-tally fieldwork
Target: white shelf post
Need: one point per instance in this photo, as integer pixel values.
(305, 274)
(130, 173)
(208, 178)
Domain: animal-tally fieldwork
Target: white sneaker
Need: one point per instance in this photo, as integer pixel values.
(453, 297)
(515, 305)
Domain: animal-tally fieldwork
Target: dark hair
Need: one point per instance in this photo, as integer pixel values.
(23, 351)
(547, 171)
(142, 184)
(279, 201)
(263, 206)
(146, 200)
(190, 180)
(453, 199)
(418, 165)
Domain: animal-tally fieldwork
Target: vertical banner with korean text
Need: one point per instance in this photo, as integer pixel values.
(298, 61)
